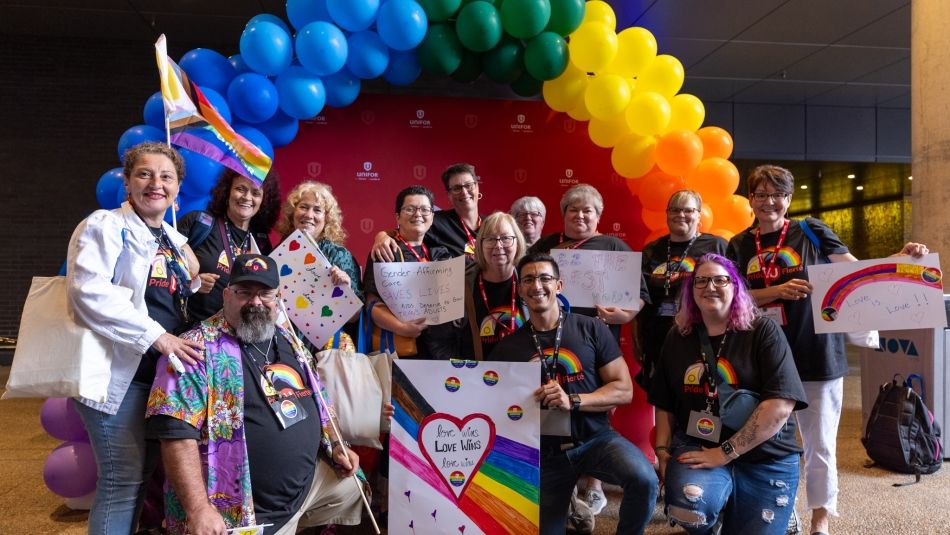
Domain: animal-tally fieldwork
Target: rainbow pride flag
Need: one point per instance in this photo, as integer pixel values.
(187, 110)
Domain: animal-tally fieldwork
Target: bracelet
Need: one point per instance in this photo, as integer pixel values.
(336, 443)
(658, 449)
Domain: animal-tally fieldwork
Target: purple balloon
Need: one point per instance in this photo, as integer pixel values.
(60, 419)
(70, 470)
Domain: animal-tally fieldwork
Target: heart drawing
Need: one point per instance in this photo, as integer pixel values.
(294, 245)
(456, 447)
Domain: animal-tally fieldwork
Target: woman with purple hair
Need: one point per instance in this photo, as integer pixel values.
(724, 389)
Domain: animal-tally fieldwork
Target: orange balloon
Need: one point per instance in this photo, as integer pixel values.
(733, 213)
(657, 188)
(653, 219)
(706, 217)
(722, 233)
(717, 143)
(679, 152)
(714, 178)
(633, 185)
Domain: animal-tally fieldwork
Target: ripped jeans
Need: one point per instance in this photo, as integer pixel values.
(758, 498)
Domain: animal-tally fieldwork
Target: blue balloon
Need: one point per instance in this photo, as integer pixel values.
(238, 63)
(267, 17)
(342, 88)
(256, 137)
(301, 92)
(266, 48)
(138, 134)
(253, 97)
(353, 15)
(303, 12)
(208, 68)
(108, 187)
(154, 111)
(279, 129)
(187, 204)
(217, 102)
(402, 24)
(321, 48)
(403, 67)
(201, 173)
(369, 55)
(121, 194)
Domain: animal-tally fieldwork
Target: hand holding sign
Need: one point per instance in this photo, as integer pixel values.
(413, 290)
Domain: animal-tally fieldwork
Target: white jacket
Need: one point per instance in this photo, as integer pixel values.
(114, 248)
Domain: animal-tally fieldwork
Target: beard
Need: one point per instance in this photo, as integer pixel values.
(256, 324)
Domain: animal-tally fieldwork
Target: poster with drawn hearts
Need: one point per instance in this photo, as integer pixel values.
(898, 292)
(316, 306)
(463, 454)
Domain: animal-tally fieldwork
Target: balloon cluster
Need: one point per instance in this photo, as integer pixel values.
(70, 469)
(631, 97)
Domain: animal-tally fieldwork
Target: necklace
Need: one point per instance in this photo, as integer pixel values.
(265, 354)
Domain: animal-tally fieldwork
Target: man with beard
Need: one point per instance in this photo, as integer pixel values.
(245, 437)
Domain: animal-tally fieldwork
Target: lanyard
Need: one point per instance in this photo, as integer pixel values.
(549, 366)
(670, 269)
(573, 245)
(767, 274)
(511, 326)
(176, 265)
(232, 249)
(425, 250)
(710, 363)
(468, 234)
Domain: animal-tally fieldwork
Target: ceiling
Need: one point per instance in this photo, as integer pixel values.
(813, 52)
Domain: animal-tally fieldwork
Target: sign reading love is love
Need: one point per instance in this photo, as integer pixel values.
(316, 306)
(606, 278)
(455, 470)
(434, 290)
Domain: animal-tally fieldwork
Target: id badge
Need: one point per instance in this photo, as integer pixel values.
(667, 308)
(775, 312)
(288, 410)
(704, 426)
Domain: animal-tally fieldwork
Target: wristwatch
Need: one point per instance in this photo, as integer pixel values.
(729, 450)
(575, 401)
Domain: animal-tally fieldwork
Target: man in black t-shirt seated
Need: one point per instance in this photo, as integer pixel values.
(584, 376)
(246, 434)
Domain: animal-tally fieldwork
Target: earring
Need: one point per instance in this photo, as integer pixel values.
(480, 196)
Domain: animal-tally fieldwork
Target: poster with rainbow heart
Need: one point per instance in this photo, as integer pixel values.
(316, 306)
(898, 292)
(463, 453)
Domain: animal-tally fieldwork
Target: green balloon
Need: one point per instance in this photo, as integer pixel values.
(439, 10)
(504, 63)
(526, 85)
(525, 18)
(440, 52)
(479, 26)
(566, 16)
(545, 56)
(470, 68)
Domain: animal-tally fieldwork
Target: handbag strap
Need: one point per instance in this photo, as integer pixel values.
(810, 234)
(386, 340)
(910, 384)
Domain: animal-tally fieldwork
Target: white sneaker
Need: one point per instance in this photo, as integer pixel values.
(596, 500)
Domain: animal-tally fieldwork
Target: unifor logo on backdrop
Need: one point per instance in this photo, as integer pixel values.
(367, 173)
(569, 125)
(568, 179)
(366, 225)
(898, 346)
(420, 121)
(471, 120)
(419, 172)
(521, 124)
(521, 175)
(314, 169)
(368, 117)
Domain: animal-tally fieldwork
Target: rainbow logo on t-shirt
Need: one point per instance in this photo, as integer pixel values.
(787, 257)
(452, 384)
(566, 359)
(490, 377)
(457, 479)
(515, 413)
(726, 372)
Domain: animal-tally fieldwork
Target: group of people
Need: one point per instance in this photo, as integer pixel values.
(208, 376)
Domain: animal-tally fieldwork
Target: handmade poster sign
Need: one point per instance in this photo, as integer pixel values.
(463, 451)
(899, 292)
(412, 290)
(607, 278)
(316, 306)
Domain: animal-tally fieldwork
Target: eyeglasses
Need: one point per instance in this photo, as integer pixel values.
(531, 214)
(504, 241)
(266, 296)
(413, 210)
(683, 211)
(468, 186)
(718, 281)
(543, 279)
(774, 197)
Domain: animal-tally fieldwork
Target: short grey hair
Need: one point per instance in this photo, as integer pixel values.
(528, 204)
(582, 192)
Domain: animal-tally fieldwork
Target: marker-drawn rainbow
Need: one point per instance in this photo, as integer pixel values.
(490, 377)
(787, 257)
(503, 496)
(515, 413)
(255, 264)
(566, 359)
(930, 277)
(726, 372)
(452, 384)
(457, 479)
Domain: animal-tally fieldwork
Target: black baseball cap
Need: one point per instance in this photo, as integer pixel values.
(255, 268)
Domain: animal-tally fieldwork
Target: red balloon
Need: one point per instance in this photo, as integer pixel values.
(679, 152)
(656, 189)
(717, 143)
(714, 179)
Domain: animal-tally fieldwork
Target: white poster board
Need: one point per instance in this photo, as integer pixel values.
(464, 449)
(316, 306)
(899, 292)
(606, 278)
(412, 290)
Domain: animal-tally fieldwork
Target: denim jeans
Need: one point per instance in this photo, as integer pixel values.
(125, 461)
(608, 457)
(758, 497)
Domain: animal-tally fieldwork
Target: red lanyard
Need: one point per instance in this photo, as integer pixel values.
(468, 234)
(575, 245)
(768, 271)
(511, 319)
(425, 250)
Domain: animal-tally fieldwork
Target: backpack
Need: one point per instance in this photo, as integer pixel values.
(200, 229)
(901, 434)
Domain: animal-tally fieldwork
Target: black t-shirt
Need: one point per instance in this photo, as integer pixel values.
(447, 231)
(161, 300)
(586, 346)
(758, 360)
(494, 321)
(819, 357)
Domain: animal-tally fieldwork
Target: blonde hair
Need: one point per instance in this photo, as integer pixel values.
(489, 227)
(582, 193)
(333, 216)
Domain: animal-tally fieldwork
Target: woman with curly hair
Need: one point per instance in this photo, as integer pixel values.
(239, 217)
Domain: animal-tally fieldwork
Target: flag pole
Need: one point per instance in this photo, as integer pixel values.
(168, 140)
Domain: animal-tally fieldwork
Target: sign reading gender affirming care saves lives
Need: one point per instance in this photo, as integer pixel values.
(433, 290)
(898, 292)
(606, 278)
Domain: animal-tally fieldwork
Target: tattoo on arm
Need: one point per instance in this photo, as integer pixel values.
(745, 438)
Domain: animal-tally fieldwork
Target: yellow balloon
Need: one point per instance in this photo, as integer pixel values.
(565, 91)
(579, 112)
(663, 75)
(592, 46)
(634, 155)
(607, 96)
(648, 113)
(597, 11)
(607, 132)
(636, 48)
(688, 113)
